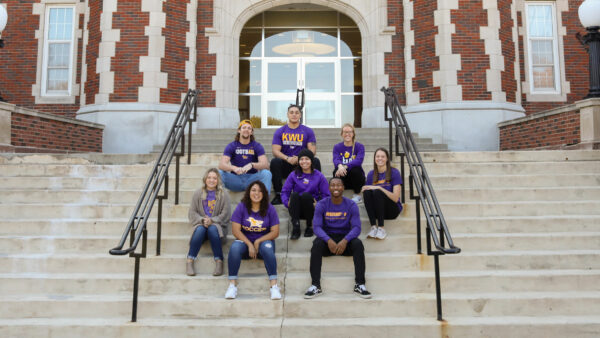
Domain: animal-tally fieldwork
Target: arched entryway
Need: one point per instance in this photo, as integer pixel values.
(301, 46)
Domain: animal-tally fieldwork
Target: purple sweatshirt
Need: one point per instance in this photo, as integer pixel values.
(315, 183)
(333, 218)
(344, 155)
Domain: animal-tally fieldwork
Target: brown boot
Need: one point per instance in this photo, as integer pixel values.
(189, 268)
(218, 268)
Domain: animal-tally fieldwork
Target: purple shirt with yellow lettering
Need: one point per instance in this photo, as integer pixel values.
(242, 154)
(209, 203)
(293, 140)
(331, 218)
(254, 226)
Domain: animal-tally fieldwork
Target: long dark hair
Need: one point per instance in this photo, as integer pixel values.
(264, 202)
(237, 134)
(388, 166)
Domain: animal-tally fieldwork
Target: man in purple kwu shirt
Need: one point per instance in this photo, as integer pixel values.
(337, 225)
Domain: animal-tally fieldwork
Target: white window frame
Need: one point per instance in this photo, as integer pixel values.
(44, 90)
(555, 52)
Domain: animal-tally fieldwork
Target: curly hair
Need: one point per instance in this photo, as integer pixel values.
(264, 202)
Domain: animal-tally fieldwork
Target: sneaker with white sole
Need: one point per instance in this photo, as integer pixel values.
(275, 292)
(361, 291)
(231, 292)
(381, 234)
(312, 292)
(356, 198)
(373, 232)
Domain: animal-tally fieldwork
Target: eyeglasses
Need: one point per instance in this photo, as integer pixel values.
(347, 132)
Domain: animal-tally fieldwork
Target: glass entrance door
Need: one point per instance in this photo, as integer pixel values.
(319, 77)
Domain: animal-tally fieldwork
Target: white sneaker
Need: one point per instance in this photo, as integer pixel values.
(356, 198)
(275, 292)
(231, 292)
(373, 232)
(381, 234)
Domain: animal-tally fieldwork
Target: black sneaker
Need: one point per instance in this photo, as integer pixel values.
(295, 229)
(361, 291)
(312, 292)
(276, 200)
(308, 232)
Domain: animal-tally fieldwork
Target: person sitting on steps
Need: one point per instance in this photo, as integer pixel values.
(255, 225)
(337, 226)
(210, 214)
(348, 157)
(244, 160)
(382, 193)
(287, 143)
(304, 187)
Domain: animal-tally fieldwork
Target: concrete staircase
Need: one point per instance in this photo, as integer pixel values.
(214, 140)
(528, 224)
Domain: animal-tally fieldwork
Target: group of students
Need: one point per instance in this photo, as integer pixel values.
(307, 194)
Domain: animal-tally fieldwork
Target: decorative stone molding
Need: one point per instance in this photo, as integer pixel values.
(447, 77)
(493, 48)
(150, 65)
(190, 42)
(412, 97)
(106, 52)
(589, 115)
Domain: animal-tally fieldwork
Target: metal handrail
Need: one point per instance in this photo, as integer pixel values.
(437, 229)
(136, 228)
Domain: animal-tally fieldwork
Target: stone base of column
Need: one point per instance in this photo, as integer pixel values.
(589, 117)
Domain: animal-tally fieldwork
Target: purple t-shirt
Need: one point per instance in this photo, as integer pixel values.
(387, 185)
(242, 154)
(253, 224)
(345, 155)
(331, 218)
(293, 140)
(209, 203)
(314, 183)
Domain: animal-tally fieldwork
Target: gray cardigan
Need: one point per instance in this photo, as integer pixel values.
(221, 217)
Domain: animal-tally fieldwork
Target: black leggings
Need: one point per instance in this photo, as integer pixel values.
(280, 169)
(379, 206)
(354, 248)
(354, 179)
(301, 206)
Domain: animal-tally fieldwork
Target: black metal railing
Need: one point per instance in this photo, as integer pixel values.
(136, 228)
(421, 189)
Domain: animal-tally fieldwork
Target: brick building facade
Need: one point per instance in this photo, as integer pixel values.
(460, 67)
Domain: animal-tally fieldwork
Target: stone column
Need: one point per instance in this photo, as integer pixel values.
(5, 129)
(589, 116)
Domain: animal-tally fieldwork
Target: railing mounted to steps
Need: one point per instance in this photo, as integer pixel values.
(136, 228)
(419, 182)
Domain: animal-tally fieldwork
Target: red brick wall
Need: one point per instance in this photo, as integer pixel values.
(176, 53)
(509, 83)
(394, 61)
(424, 51)
(551, 131)
(94, 37)
(46, 134)
(131, 21)
(206, 64)
(18, 59)
(468, 19)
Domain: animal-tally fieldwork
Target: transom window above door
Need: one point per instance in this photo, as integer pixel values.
(283, 50)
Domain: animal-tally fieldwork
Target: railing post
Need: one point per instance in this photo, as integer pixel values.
(176, 179)
(165, 195)
(403, 174)
(438, 291)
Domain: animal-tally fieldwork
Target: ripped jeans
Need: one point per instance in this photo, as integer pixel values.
(239, 251)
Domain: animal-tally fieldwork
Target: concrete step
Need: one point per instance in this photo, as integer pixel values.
(534, 304)
(174, 263)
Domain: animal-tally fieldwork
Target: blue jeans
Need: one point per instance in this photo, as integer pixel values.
(239, 251)
(235, 182)
(200, 235)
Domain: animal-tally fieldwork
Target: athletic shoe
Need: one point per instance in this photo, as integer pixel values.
(381, 234)
(356, 198)
(275, 293)
(361, 291)
(231, 292)
(373, 232)
(308, 232)
(295, 229)
(277, 199)
(312, 292)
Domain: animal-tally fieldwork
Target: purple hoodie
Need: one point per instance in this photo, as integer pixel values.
(345, 155)
(333, 218)
(315, 183)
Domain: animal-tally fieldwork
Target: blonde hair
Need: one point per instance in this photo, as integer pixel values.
(212, 170)
(353, 136)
